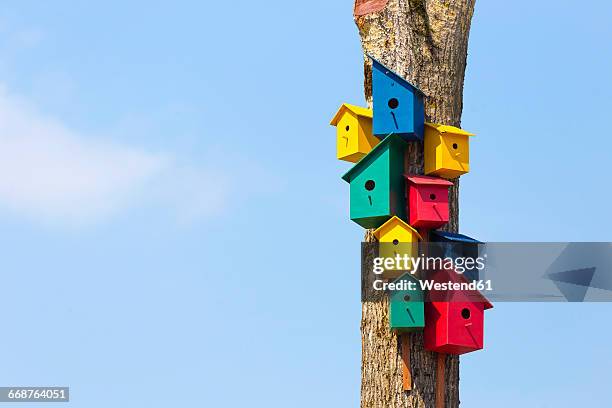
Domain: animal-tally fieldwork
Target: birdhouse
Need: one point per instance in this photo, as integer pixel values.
(406, 308)
(427, 201)
(447, 151)
(354, 132)
(449, 245)
(395, 237)
(454, 319)
(398, 105)
(377, 185)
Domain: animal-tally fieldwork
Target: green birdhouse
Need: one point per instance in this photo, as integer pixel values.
(406, 307)
(377, 184)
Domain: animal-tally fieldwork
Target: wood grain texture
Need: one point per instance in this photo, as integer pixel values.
(440, 380)
(426, 42)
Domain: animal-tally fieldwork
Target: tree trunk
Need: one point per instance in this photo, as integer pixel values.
(425, 41)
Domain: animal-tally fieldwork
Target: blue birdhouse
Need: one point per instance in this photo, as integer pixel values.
(398, 105)
(447, 244)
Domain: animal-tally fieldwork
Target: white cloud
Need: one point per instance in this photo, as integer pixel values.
(52, 174)
(27, 38)
(224, 181)
(48, 171)
(193, 193)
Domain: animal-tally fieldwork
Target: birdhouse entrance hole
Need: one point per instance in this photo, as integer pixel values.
(432, 196)
(455, 145)
(465, 313)
(393, 103)
(369, 185)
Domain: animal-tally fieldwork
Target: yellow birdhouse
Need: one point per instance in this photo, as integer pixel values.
(396, 237)
(354, 132)
(447, 151)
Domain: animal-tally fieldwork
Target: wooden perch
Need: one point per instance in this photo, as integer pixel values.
(406, 371)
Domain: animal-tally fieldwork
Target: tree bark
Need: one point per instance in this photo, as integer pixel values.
(426, 42)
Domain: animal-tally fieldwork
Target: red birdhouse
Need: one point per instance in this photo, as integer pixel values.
(454, 319)
(427, 201)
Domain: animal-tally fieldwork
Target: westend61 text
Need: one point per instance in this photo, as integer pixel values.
(429, 285)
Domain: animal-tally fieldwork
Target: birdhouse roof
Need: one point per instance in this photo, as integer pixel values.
(449, 236)
(448, 129)
(357, 110)
(367, 159)
(395, 76)
(426, 180)
(406, 277)
(396, 220)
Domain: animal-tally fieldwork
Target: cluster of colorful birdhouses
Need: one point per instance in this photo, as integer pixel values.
(405, 208)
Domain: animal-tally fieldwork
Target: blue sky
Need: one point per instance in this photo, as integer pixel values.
(174, 225)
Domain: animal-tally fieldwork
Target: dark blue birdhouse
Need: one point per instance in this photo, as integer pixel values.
(449, 245)
(398, 105)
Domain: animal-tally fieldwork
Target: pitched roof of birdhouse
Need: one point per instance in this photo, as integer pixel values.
(450, 236)
(367, 159)
(449, 274)
(357, 110)
(396, 220)
(448, 129)
(427, 180)
(393, 75)
(406, 277)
